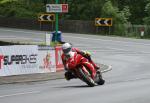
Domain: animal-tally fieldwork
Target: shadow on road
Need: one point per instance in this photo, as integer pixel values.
(76, 86)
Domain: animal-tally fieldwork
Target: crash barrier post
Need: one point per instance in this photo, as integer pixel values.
(59, 64)
(47, 38)
(142, 32)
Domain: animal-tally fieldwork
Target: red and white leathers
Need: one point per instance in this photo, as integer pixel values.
(64, 57)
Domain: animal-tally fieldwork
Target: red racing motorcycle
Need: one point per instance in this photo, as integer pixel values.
(84, 70)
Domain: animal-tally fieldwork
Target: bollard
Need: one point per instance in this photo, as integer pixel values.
(142, 32)
(47, 39)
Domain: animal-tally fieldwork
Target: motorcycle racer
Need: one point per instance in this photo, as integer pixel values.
(67, 53)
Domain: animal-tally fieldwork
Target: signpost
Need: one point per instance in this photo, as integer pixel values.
(46, 18)
(103, 22)
(56, 8)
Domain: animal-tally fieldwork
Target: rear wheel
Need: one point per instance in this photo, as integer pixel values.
(86, 77)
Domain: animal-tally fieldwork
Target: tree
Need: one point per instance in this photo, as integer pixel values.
(147, 10)
(136, 8)
(84, 9)
(119, 17)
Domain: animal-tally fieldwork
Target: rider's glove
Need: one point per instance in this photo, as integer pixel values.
(86, 53)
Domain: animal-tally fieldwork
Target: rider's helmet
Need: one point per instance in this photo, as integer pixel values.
(66, 47)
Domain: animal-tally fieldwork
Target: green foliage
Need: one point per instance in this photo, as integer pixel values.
(81, 10)
(20, 8)
(147, 10)
(136, 8)
(119, 17)
(108, 10)
(147, 20)
(6, 1)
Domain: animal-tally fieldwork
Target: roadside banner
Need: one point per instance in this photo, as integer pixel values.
(46, 59)
(59, 64)
(18, 59)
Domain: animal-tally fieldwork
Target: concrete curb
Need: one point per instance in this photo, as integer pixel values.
(31, 77)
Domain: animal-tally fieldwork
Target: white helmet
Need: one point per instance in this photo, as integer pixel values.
(66, 47)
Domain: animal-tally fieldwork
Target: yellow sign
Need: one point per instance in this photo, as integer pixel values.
(46, 17)
(103, 21)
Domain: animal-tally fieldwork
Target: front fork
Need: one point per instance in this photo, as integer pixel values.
(91, 68)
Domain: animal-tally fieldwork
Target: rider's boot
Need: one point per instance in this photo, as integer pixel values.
(69, 75)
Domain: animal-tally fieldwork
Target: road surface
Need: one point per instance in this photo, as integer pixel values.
(128, 82)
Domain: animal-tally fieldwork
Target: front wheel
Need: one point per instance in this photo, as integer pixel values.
(86, 77)
(100, 80)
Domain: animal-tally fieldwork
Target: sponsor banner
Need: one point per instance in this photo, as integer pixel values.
(47, 60)
(59, 64)
(18, 59)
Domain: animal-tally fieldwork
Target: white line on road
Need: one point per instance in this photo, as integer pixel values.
(108, 69)
(110, 40)
(110, 49)
(135, 43)
(20, 31)
(17, 94)
(19, 38)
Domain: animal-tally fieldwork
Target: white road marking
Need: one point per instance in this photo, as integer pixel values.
(135, 43)
(18, 94)
(18, 38)
(85, 38)
(108, 69)
(20, 31)
(116, 50)
(110, 40)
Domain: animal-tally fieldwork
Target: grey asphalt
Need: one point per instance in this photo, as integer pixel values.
(41, 76)
(127, 82)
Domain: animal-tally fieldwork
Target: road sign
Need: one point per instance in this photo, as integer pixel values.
(56, 8)
(46, 17)
(103, 21)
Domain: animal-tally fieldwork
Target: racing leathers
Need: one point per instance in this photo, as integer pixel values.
(68, 74)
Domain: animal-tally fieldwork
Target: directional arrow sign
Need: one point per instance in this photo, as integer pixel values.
(46, 17)
(103, 21)
(56, 8)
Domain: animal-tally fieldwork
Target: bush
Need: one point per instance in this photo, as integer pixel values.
(119, 17)
(20, 9)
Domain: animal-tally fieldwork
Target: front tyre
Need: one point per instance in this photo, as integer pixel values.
(100, 81)
(86, 77)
